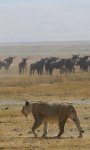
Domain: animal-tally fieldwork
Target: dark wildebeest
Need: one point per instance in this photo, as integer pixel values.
(2, 64)
(56, 65)
(6, 63)
(84, 63)
(22, 66)
(75, 58)
(69, 65)
(38, 66)
(84, 58)
(88, 64)
(48, 61)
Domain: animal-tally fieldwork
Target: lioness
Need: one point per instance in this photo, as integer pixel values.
(45, 112)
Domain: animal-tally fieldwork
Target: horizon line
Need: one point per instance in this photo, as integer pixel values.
(32, 42)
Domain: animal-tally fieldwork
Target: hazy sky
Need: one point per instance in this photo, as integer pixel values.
(44, 20)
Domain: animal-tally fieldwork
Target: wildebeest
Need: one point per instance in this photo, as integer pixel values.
(75, 58)
(6, 63)
(84, 58)
(22, 66)
(2, 64)
(55, 65)
(88, 64)
(48, 61)
(84, 63)
(37, 66)
(69, 65)
(46, 112)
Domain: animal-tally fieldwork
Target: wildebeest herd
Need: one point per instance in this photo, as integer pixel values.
(65, 65)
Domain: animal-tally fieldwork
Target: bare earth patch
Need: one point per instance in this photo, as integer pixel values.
(15, 131)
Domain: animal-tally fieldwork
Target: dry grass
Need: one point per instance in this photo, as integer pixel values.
(56, 86)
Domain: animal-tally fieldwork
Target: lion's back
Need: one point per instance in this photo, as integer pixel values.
(52, 111)
(46, 110)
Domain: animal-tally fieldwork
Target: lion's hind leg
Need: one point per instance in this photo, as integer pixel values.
(75, 119)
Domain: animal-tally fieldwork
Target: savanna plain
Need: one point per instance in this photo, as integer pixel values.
(15, 129)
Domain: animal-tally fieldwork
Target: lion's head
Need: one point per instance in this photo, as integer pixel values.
(27, 108)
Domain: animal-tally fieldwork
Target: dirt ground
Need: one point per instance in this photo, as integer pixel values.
(15, 131)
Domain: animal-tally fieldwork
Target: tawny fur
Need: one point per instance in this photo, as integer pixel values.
(46, 112)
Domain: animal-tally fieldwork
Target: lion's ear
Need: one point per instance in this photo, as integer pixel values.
(27, 103)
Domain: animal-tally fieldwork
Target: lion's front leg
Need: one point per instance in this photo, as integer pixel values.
(61, 127)
(36, 124)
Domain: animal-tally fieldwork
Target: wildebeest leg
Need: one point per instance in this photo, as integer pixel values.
(20, 70)
(61, 127)
(61, 71)
(25, 68)
(88, 67)
(81, 68)
(37, 123)
(77, 122)
(73, 70)
(50, 71)
(38, 72)
(6, 68)
(30, 71)
(45, 129)
(41, 72)
(33, 71)
(70, 70)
